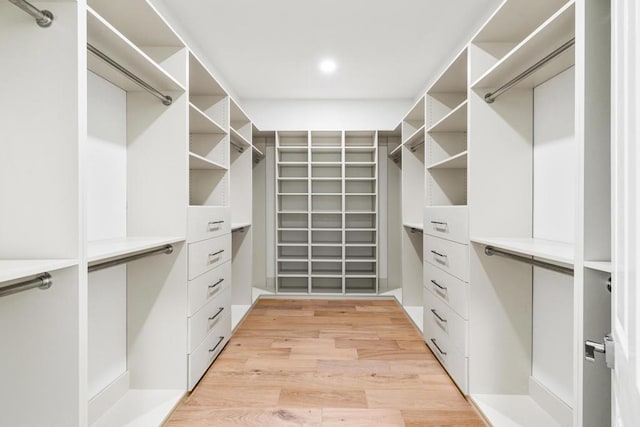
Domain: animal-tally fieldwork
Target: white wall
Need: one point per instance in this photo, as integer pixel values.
(300, 114)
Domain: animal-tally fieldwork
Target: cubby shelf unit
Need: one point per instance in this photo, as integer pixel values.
(326, 209)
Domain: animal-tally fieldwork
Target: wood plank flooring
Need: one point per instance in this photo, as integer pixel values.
(325, 363)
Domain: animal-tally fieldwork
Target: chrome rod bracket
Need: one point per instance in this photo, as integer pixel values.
(43, 281)
(491, 251)
(237, 147)
(44, 18)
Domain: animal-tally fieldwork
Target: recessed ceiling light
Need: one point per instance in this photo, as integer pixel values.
(328, 66)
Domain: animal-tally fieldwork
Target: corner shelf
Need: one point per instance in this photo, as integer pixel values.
(604, 266)
(415, 138)
(455, 121)
(239, 139)
(199, 122)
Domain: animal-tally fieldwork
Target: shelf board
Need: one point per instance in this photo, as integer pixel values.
(459, 161)
(15, 269)
(257, 151)
(353, 149)
(360, 229)
(199, 122)
(325, 229)
(360, 245)
(288, 178)
(353, 259)
(328, 245)
(454, 121)
(239, 139)
(326, 212)
(326, 194)
(360, 276)
(292, 194)
(396, 152)
(355, 178)
(141, 407)
(292, 229)
(293, 212)
(558, 252)
(100, 250)
(360, 164)
(107, 39)
(294, 275)
(326, 164)
(197, 162)
(326, 178)
(512, 410)
(604, 266)
(326, 259)
(201, 81)
(326, 149)
(547, 37)
(359, 212)
(293, 259)
(415, 138)
(293, 245)
(415, 226)
(292, 163)
(453, 79)
(239, 225)
(293, 149)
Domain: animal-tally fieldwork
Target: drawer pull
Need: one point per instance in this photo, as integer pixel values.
(438, 254)
(220, 339)
(443, 288)
(214, 254)
(433, 340)
(440, 318)
(213, 224)
(215, 285)
(220, 310)
(439, 225)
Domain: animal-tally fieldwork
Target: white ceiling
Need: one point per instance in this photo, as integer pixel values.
(384, 48)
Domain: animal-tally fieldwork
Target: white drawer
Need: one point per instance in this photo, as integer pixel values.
(447, 222)
(448, 288)
(208, 318)
(204, 288)
(208, 350)
(205, 222)
(208, 254)
(449, 256)
(445, 319)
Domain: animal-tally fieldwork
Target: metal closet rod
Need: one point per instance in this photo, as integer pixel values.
(44, 281)
(492, 96)
(490, 251)
(166, 99)
(43, 17)
(106, 264)
(238, 147)
(415, 147)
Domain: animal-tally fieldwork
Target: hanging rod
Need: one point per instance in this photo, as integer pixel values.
(164, 250)
(491, 96)
(166, 99)
(43, 18)
(490, 251)
(43, 281)
(415, 147)
(238, 147)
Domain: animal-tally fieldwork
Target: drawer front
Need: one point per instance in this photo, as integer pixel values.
(208, 350)
(449, 256)
(208, 254)
(447, 222)
(208, 318)
(204, 288)
(438, 316)
(205, 222)
(448, 288)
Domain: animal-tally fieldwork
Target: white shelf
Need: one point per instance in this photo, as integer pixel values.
(326, 194)
(395, 152)
(459, 161)
(239, 225)
(360, 164)
(293, 194)
(293, 245)
(415, 138)
(352, 259)
(512, 410)
(547, 37)
(455, 121)
(100, 250)
(199, 122)
(326, 149)
(15, 269)
(326, 178)
(293, 149)
(352, 149)
(257, 151)
(292, 163)
(141, 408)
(415, 226)
(544, 249)
(239, 139)
(604, 266)
(108, 40)
(197, 162)
(287, 178)
(325, 164)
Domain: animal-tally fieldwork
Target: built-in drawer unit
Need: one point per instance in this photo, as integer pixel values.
(448, 288)
(208, 254)
(208, 350)
(447, 222)
(206, 222)
(206, 319)
(449, 355)
(449, 256)
(439, 316)
(207, 286)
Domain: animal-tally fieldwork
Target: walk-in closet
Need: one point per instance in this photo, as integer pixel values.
(290, 213)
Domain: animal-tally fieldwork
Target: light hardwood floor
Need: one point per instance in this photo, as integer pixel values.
(325, 363)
